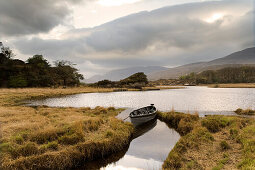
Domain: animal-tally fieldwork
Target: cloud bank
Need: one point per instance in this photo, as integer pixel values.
(166, 36)
(21, 17)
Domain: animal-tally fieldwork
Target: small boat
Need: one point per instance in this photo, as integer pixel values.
(143, 115)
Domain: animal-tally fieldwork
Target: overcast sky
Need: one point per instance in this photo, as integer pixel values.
(101, 35)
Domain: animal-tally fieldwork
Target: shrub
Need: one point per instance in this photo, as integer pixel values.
(17, 81)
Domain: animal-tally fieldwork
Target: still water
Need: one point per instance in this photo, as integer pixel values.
(151, 146)
(201, 99)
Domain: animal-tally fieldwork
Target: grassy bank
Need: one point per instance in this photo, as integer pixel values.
(213, 142)
(237, 85)
(56, 138)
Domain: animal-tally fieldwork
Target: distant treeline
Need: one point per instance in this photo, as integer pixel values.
(245, 74)
(35, 72)
(137, 81)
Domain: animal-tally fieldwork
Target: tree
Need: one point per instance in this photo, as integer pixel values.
(137, 80)
(38, 61)
(38, 72)
(17, 81)
(67, 73)
(7, 52)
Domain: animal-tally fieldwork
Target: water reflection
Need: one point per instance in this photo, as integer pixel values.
(148, 151)
(200, 99)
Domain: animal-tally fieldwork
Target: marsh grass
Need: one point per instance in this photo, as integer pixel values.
(221, 162)
(213, 142)
(183, 123)
(56, 138)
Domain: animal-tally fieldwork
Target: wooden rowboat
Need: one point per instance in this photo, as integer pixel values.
(143, 115)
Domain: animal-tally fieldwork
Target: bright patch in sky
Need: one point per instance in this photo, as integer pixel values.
(116, 2)
(214, 17)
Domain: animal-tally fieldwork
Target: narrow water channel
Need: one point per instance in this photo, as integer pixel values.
(147, 151)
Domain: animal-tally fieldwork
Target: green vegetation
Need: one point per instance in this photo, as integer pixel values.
(136, 81)
(216, 123)
(36, 72)
(213, 142)
(245, 74)
(245, 112)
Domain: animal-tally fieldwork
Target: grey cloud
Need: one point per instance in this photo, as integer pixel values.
(176, 26)
(53, 49)
(21, 17)
(177, 35)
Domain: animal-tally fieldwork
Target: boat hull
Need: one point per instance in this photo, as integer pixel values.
(142, 119)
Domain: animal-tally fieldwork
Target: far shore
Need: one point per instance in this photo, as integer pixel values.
(232, 85)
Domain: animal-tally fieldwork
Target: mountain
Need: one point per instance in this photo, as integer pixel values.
(119, 74)
(237, 59)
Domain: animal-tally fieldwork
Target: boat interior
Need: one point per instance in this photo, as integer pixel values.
(144, 111)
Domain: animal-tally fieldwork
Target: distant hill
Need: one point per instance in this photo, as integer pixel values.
(237, 59)
(119, 74)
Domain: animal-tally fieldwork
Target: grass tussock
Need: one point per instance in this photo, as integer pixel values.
(216, 123)
(183, 123)
(214, 142)
(56, 138)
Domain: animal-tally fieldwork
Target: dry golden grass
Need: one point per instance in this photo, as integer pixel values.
(237, 85)
(15, 96)
(56, 138)
(214, 142)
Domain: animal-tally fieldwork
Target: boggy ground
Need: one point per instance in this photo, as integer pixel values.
(56, 138)
(213, 142)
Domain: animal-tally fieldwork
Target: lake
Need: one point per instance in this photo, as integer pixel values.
(190, 99)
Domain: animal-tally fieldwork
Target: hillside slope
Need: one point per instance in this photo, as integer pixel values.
(119, 74)
(237, 59)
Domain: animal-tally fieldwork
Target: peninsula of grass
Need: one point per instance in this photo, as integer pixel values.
(232, 85)
(56, 138)
(248, 112)
(213, 142)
